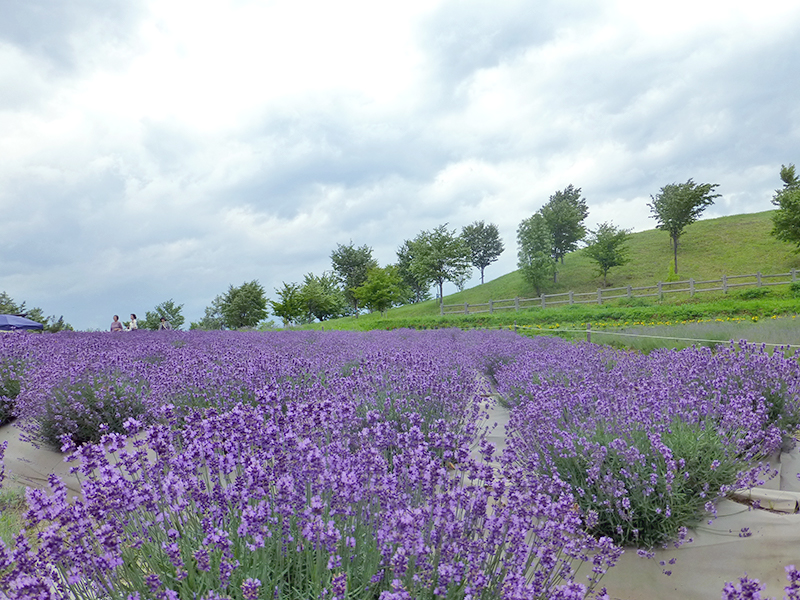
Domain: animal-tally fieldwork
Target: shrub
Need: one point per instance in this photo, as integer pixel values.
(754, 293)
(9, 390)
(89, 407)
(643, 487)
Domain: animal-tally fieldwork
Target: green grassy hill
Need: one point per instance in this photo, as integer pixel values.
(708, 249)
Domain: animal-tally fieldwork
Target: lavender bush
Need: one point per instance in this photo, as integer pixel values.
(648, 442)
(338, 479)
(339, 465)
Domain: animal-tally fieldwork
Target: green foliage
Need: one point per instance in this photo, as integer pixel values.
(290, 307)
(671, 274)
(484, 243)
(439, 255)
(167, 309)
(754, 293)
(12, 510)
(732, 245)
(51, 323)
(416, 289)
(534, 255)
(786, 220)
(244, 306)
(351, 266)
(322, 298)
(213, 318)
(87, 408)
(382, 289)
(678, 205)
(564, 214)
(607, 246)
(658, 508)
(9, 390)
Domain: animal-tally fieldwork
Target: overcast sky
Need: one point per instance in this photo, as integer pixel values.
(167, 149)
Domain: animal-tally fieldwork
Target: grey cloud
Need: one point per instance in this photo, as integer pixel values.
(47, 29)
(463, 37)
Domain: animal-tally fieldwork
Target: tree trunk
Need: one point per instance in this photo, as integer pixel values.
(675, 253)
(482, 275)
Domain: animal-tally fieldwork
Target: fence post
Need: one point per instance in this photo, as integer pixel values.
(466, 308)
(758, 279)
(491, 307)
(629, 291)
(691, 287)
(571, 301)
(724, 284)
(544, 304)
(589, 332)
(516, 304)
(794, 275)
(599, 295)
(660, 292)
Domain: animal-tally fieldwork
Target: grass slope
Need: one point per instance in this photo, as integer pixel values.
(708, 249)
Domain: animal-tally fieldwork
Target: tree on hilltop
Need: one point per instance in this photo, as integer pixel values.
(607, 247)
(322, 297)
(244, 306)
(564, 214)
(534, 256)
(415, 289)
(290, 305)
(440, 255)
(786, 220)
(484, 243)
(351, 266)
(167, 309)
(382, 289)
(678, 205)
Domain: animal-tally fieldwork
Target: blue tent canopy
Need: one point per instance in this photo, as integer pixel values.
(13, 322)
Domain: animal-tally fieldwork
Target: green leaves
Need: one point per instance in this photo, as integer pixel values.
(606, 247)
(484, 243)
(786, 221)
(167, 309)
(680, 204)
(535, 258)
(351, 266)
(290, 307)
(382, 289)
(565, 213)
(244, 306)
(439, 255)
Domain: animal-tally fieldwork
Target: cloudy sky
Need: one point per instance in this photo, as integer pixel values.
(170, 148)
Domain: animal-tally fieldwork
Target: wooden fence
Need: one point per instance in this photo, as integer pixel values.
(659, 290)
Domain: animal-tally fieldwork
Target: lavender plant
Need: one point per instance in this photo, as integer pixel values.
(347, 473)
(648, 442)
(248, 504)
(750, 589)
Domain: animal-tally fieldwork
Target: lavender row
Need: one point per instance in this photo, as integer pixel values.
(290, 466)
(78, 384)
(648, 442)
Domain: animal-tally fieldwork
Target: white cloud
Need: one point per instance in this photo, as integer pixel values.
(174, 148)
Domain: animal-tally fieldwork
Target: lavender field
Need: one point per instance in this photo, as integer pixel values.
(341, 465)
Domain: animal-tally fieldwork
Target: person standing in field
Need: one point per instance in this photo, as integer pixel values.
(164, 325)
(116, 325)
(132, 326)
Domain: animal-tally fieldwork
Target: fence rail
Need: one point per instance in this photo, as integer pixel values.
(659, 290)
